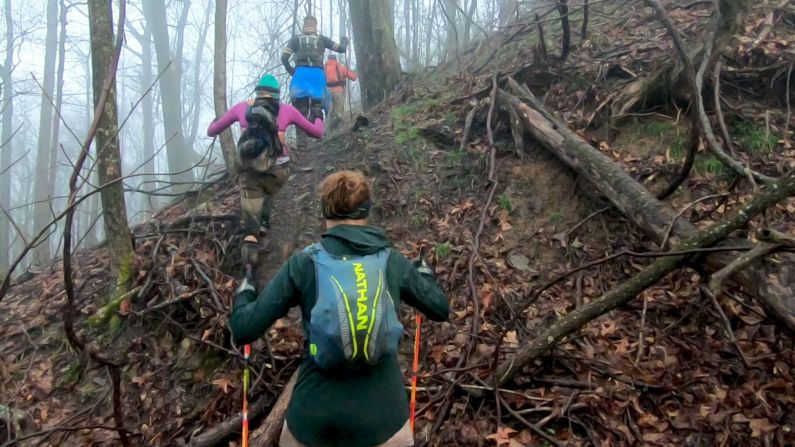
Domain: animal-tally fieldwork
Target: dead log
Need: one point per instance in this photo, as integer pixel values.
(630, 288)
(655, 218)
(214, 435)
(267, 434)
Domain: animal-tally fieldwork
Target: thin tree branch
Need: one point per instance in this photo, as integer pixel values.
(695, 79)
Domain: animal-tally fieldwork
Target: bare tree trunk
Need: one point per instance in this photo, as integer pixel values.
(509, 10)
(563, 9)
(198, 89)
(473, 4)
(415, 33)
(41, 209)
(7, 147)
(179, 38)
(406, 32)
(429, 34)
(56, 124)
(94, 207)
(295, 17)
(147, 108)
(179, 154)
(584, 29)
(376, 51)
(343, 25)
(107, 139)
(219, 83)
(452, 43)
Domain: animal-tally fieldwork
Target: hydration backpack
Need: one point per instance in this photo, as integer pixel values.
(261, 135)
(354, 323)
(310, 50)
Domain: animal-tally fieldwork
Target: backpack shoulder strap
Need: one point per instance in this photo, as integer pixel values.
(313, 249)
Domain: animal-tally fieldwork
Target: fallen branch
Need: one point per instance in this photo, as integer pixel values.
(726, 323)
(776, 237)
(218, 433)
(529, 424)
(171, 302)
(107, 311)
(741, 263)
(630, 288)
(724, 130)
(696, 80)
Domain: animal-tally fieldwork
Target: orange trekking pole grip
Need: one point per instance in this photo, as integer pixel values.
(415, 368)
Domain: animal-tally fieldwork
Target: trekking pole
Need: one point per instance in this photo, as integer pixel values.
(348, 90)
(246, 354)
(415, 368)
(246, 373)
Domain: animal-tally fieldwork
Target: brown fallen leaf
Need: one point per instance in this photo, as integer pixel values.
(224, 384)
(503, 437)
(761, 426)
(510, 338)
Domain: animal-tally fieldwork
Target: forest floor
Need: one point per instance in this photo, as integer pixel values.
(659, 371)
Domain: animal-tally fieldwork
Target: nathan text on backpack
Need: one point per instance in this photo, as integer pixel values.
(354, 323)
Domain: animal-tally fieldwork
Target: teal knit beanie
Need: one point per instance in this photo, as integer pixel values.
(269, 84)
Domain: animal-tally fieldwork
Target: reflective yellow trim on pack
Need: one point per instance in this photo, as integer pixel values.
(350, 317)
(372, 318)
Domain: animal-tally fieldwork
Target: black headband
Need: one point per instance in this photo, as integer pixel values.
(359, 213)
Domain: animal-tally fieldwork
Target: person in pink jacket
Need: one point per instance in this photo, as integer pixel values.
(262, 156)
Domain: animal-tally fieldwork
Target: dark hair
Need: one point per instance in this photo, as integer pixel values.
(345, 195)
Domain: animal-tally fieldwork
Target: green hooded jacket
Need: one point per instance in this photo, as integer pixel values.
(361, 409)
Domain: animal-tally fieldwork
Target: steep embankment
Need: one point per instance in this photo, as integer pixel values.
(659, 371)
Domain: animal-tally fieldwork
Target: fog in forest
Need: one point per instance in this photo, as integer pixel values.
(47, 84)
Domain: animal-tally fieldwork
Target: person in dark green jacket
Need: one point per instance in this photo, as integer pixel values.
(361, 407)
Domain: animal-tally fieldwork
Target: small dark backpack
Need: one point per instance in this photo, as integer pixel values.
(310, 50)
(261, 135)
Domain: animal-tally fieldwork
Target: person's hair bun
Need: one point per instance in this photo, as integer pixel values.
(345, 195)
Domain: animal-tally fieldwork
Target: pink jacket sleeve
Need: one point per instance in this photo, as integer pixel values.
(236, 113)
(290, 115)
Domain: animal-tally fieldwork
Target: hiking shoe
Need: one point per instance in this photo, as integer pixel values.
(315, 112)
(249, 251)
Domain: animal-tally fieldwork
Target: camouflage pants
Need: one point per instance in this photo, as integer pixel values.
(257, 190)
